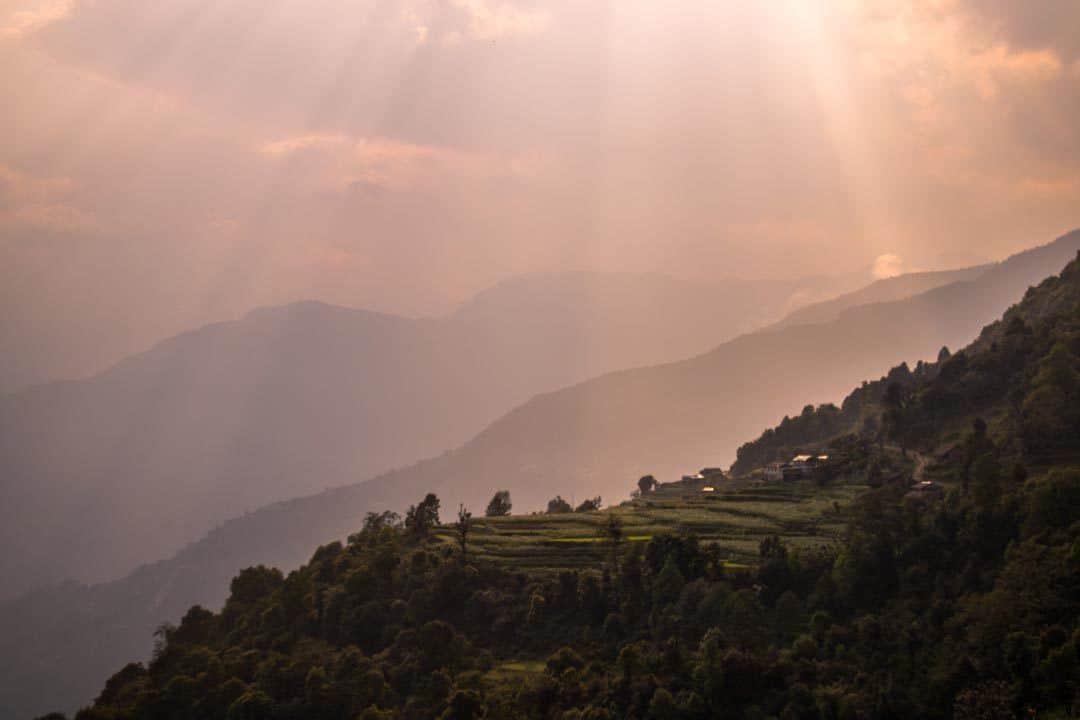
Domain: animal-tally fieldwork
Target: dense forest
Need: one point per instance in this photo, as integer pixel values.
(961, 607)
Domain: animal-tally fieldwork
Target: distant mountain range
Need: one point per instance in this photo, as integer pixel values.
(956, 595)
(103, 474)
(595, 437)
(886, 290)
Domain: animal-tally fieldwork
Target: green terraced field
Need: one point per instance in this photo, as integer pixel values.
(803, 514)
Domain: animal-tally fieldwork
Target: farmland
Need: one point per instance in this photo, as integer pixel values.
(804, 514)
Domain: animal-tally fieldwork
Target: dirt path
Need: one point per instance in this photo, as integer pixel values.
(921, 461)
(918, 473)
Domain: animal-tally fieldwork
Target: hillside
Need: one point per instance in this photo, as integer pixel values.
(596, 437)
(958, 605)
(885, 290)
(1020, 375)
(126, 467)
(52, 655)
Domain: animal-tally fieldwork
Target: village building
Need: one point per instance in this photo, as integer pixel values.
(808, 463)
(774, 472)
(780, 472)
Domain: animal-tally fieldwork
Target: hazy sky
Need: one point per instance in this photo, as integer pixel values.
(169, 163)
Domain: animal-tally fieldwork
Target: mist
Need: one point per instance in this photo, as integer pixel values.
(167, 166)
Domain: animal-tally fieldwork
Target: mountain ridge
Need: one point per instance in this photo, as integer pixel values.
(979, 561)
(291, 399)
(569, 425)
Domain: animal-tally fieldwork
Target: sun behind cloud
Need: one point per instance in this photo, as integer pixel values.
(888, 265)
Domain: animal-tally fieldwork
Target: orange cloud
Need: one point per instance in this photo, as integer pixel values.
(487, 22)
(41, 204)
(30, 16)
(341, 162)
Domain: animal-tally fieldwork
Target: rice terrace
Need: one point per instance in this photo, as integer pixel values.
(803, 514)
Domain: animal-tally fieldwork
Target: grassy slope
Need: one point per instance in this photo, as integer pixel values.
(737, 520)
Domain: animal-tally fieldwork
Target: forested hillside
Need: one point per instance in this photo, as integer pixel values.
(960, 606)
(1021, 375)
(596, 437)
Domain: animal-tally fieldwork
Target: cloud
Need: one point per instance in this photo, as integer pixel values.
(364, 149)
(26, 17)
(487, 22)
(370, 165)
(300, 143)
(1028, 25)
(887, 266)
(448, 143)
(41, 204)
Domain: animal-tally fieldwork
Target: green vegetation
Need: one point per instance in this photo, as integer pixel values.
(802, 513)
(849, 600)
(500, 504)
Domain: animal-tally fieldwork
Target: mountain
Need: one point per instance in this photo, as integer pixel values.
(885, 290)
(866, 597)
(103, 474)
(594, 437)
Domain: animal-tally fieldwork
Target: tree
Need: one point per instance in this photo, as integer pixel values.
(252, 705)
(662, 706)
(558, 505)
(985, 701)
(893, 418)
(462, 528)
(589, 505)
(669, 583)
(986, 481)
(420, 519)
(499, 505)
(562, 660)
(374, 522)
(1054, 501)
(254, 583)
(647, 484)
(1058, 369)
(612, 531)
(464, 705)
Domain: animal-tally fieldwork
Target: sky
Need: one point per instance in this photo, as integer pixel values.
(168, 164)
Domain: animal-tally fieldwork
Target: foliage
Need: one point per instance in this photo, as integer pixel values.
(646, 484)
(500, 504)
(421, 518)
(462, 528)
(558, 505)
(589, 505)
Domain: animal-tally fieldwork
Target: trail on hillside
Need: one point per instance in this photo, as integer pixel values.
(921, 461)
